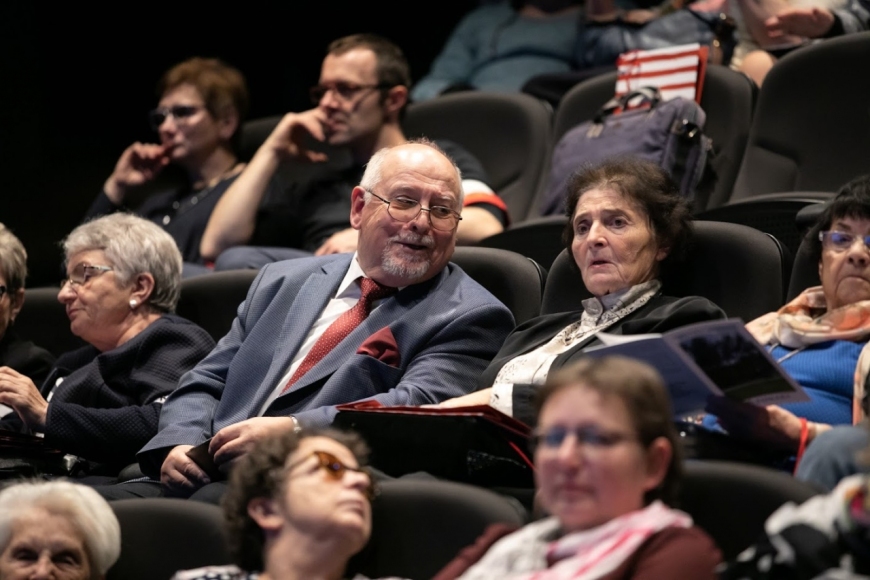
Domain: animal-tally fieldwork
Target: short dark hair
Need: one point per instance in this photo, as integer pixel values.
(642, 390)
(852, 200)
(646, 184)
(392, 67)
(261, 473)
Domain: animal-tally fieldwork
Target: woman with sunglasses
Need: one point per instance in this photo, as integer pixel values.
(607, 466)
(820, 337)
(297, 506)
(202, 104)
(101, 402)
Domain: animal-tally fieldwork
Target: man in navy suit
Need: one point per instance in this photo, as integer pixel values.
(426, 342)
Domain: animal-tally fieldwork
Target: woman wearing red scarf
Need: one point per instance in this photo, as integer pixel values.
(607, 465)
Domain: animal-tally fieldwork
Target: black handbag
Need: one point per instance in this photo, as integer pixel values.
(26, 456)
(477, 445)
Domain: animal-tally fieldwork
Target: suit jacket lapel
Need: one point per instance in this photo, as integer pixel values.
(390, 310)
(303, 312)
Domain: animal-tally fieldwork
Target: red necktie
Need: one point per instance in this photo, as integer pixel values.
(342, 326)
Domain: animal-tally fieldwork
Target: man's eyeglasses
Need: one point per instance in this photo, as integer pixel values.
(82, 273)
(335, 469)
(589, 437)
(405, 209)
(177, 112)
(841, 241)
(343, 91)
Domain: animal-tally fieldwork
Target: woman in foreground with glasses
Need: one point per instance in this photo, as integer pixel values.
(102, 402)
(202, 104)
(297, 506)
(18, 354)
(607, 467)
(820, 337)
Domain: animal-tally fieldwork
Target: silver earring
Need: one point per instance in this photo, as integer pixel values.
(133, 304)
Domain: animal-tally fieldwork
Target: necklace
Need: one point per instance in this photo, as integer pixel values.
(786, 356)
(181, 206)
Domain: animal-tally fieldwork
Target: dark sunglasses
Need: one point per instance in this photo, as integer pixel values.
(344, 91)
(177, 112)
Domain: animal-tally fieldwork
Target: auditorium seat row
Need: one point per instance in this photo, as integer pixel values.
(745, 271)
(419, 525)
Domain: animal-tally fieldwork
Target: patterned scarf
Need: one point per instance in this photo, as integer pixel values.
(805, 321)
(527, 554)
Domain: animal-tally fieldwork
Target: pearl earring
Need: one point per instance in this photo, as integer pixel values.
(133, 304)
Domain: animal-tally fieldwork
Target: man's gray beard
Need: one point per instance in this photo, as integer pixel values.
(403, 269)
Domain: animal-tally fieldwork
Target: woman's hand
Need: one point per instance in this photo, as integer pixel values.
(771, 424)
(138, 164)
(19, 392)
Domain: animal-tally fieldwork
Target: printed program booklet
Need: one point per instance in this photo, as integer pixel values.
(718, 357)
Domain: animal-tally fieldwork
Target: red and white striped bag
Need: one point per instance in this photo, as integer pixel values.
(677, 71)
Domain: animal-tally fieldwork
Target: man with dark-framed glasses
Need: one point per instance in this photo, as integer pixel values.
(360, 100)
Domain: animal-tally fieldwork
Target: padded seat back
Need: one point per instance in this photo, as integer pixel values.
(160, 536)
(509, 133)
(44, 322)
(512, 278)
(419, 525)
(731, 501)
(212, 300)
(811, 129)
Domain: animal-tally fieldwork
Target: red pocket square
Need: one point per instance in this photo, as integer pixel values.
(382, 345)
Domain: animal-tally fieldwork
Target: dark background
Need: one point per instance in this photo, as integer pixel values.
(77, 83)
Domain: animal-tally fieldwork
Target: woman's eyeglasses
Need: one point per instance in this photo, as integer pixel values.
(590, 437)
(177, 112)
(841, 240)
(83, 273)
(335, 469)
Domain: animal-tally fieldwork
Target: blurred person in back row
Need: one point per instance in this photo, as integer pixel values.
(20, 355)
(202, 104)
(360, 101)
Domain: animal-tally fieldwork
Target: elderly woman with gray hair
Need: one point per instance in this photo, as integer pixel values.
(56, 529)
(16, 353)
(102, 402)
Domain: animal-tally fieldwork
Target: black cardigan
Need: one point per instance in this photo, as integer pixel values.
(108, 404)
(660, 314)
